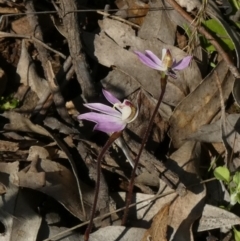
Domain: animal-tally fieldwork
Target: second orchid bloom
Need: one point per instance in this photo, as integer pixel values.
(109, 119)
(166, 65)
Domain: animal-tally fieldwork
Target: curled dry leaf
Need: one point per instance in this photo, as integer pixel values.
(200, 106)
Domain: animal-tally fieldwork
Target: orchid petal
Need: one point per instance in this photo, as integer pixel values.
(104, 122)
(112, 99)
(153, 57)
(104, 109)
(182, 64)
(164, 51)
(147, 61)
(110, 127)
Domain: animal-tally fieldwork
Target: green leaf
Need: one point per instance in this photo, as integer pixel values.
(8, 103)
(219, 32)
(222, 173)
(236, 178)
(235, 4)
(236, 234)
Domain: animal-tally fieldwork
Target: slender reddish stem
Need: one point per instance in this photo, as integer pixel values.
(109, 142)
(144, 141)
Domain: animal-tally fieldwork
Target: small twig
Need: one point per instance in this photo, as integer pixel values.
(73, 33)
(144, 141)
(208, 36)
(110, 141)
(31, 38)
(87, 10)
(119, 19)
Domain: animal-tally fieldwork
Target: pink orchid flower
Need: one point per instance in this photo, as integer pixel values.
(110, 119)
(168, 65)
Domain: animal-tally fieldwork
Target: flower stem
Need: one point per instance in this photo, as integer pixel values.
(145, 138)
(109, 142)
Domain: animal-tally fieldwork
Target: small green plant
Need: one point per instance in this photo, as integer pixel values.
(236, 234)
(219, 32)
(8, 103)
(232, 181)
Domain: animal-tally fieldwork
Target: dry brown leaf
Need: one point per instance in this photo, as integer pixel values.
(60, 183)
(135, 10)
(215, 217)
(213, 132)
(8, 146)
(3, 81)
(26, 220)
(33, 180)
(158, 230)
(118, 233)
(9, 167)
(17, 210)
(28, 76)
(200, 106)
(21, 26)
(185, 210)
(189, 4)
(20, 123)
(3, 189)
(55, 124)
(163, 29)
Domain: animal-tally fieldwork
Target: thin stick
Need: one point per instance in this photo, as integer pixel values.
(119, 19)
(145, 138)
(110, 141)
(83, 11)
(208, 36)
(12, 35)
